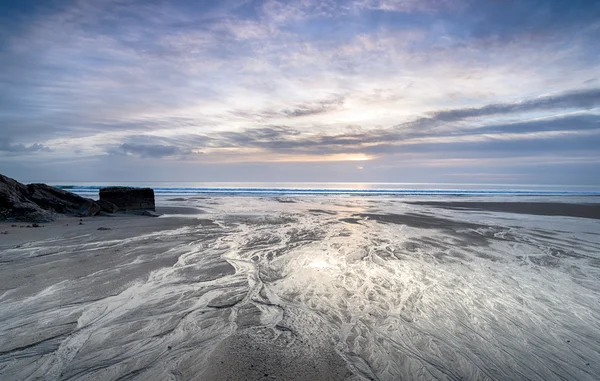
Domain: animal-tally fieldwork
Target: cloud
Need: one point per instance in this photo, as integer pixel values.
(561, 123)
(449, 130)
(571, 132)
(294, 110)
(581, 99)
(146, 150)
(6, 146)
(315, 108)
(409, 6)
(285, 12)
(244, 80)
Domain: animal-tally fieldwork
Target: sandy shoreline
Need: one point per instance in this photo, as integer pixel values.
(120, 226)
(352, 289)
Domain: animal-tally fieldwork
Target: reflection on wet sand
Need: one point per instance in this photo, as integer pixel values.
(316, 288)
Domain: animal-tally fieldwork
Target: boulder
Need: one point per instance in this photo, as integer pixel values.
(150, 213)
(107, 206)
(39, 202)
(89, 209)
(128, 198)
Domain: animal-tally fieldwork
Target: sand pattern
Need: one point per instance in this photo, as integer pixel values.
(313, 288)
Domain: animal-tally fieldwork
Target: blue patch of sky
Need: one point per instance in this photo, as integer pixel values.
(248, 10)
(513, 18)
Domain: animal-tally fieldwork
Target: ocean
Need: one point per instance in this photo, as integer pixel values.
(174, 189)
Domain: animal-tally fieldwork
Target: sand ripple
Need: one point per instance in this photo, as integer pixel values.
(359, 288)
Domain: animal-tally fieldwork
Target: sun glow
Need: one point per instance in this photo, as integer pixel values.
(235, 155)
(333, 157)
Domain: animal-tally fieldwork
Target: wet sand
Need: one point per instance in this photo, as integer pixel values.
(591, 210)
(228, 288)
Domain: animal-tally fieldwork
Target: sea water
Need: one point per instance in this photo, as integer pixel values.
(174, 189)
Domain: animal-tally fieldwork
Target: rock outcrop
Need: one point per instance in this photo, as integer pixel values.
(60, 201)
(127, 198)
(14, 203)
(40, 202)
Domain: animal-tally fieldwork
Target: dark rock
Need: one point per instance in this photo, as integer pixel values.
(39, 202)
(61, 201)
(127, 198)
(26, 211)
(35, 226)
(12, 187)
(103, 228)
(107, 206)
(89, 209)
(15, 205)
(150, 213)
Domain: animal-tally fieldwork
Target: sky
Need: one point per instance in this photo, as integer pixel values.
(437, 91)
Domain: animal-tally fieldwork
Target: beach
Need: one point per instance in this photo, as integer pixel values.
(317, 287)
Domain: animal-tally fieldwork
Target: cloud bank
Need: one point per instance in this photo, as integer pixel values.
(418, 90)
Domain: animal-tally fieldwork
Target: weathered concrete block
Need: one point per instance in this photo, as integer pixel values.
(128, 198)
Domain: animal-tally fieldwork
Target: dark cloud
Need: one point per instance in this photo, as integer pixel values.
(257, 137)
(568, 123)
(295, 111)
(493, 147)
(7, 146)
(315, 108)
(147, 146)
(146, 150)
(580, 99)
